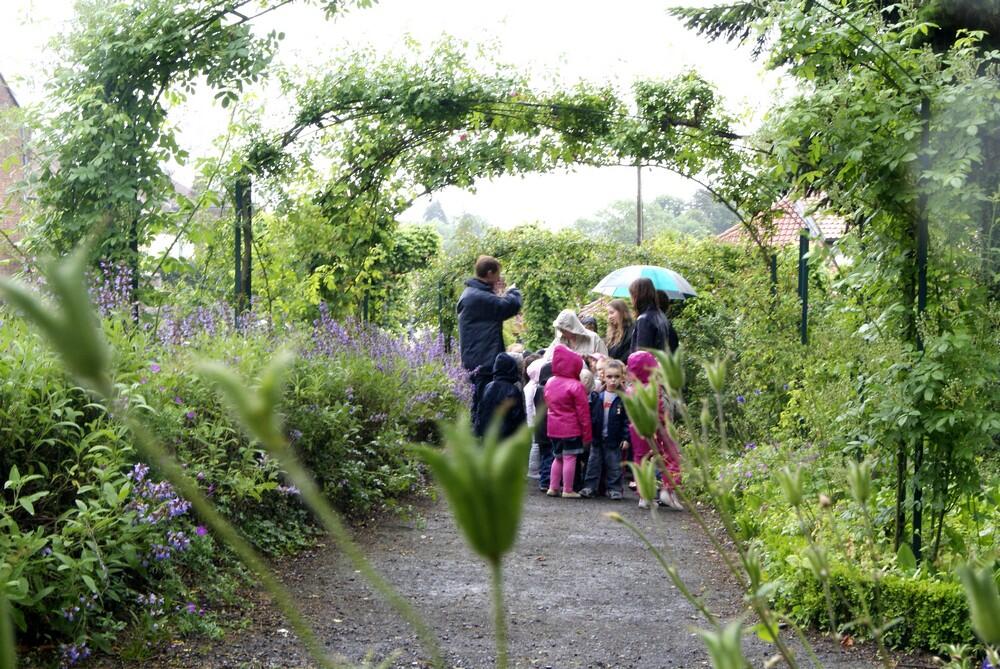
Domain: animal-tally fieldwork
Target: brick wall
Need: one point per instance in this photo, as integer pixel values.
(11, 156)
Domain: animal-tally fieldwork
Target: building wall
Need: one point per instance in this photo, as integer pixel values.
(11, 171)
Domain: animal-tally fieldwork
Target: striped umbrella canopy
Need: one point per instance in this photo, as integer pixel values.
(616, 284)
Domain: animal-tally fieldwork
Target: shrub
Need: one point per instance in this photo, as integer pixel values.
(93, 541)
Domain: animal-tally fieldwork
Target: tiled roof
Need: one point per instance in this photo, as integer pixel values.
(789, 220)
(7, 98)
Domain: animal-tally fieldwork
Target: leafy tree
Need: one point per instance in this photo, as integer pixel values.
(665, 214)
(899, 132)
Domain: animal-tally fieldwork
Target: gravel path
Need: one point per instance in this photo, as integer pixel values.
(581, 592)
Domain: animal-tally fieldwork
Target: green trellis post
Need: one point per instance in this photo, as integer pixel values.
(804, 285)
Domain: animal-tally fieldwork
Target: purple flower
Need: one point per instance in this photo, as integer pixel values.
(73, 653)
(178, 400)
(750, 445)
(740, 399)
(190, 415)
(295, 435)
(201, 530)
(154, 368)
(47, 551)
(288, 490)
(191, 608)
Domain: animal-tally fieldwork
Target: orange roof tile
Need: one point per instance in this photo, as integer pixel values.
(786, 226)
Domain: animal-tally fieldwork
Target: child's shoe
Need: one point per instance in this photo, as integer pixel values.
(571, 495)
(587, 493)
(552, 492)
(643, 504)
(676, 501)
(614, 495)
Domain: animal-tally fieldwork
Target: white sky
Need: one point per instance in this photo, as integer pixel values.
(601, 42)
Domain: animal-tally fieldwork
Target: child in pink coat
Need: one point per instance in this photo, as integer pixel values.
(568, 420)
(640, 367)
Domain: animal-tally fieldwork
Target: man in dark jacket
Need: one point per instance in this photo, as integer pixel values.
(502, 394)
(482, 309)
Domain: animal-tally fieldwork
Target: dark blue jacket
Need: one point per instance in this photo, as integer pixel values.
(653, 330)
(481, 314)
(502, 393)
(617, 420)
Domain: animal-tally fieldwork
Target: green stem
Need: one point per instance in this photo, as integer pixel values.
(8, 653)
(333, 524)
(150, 448)
(671, 572)
(499, 619)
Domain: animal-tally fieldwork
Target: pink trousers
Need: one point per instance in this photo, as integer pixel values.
(563, 469)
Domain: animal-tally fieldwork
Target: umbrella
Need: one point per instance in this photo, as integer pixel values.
(616, 284)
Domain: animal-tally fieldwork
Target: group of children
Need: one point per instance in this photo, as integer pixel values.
(583, 437)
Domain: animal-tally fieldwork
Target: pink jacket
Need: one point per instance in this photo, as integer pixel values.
(566, 398)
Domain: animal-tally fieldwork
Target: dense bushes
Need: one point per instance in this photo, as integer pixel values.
(838, 399)
(94, 541)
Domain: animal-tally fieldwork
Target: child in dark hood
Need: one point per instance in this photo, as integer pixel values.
(502, 393)
(542, 427)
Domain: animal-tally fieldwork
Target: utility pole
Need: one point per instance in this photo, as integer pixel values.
(638, 204)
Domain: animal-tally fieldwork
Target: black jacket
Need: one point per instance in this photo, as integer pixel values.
(481, 314)
(621, 350)
(502, 393)
(653, 330)
(541, 413)
(617, 420)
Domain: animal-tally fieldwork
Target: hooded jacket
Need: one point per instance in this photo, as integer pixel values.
(566, 398)
(641, 365)
(502, 393)
(529, 389)
(481, 314)
(586, 342)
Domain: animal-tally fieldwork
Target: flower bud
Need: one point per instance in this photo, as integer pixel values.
(984, 602)
(643, 409)
(725, 647)
(859, 479)
(716, 373)
(791, 483)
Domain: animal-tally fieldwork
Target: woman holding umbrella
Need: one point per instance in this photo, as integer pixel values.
(651, 327)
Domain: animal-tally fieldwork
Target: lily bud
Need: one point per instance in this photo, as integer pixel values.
(859, 479)
(791, 483)
(716, 373)
(818, 563)
(644, 474)
(672, 365)
(725, 647)
(984, 602)
(484, 484)
(643, 409)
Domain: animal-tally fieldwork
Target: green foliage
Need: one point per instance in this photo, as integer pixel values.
(699, 217)
(76, 552)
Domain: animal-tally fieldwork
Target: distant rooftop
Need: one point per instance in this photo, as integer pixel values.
(7, 98)
(786, 227)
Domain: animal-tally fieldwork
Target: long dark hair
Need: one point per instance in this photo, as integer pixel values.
(643, 295)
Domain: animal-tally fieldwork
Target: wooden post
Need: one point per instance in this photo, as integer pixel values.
(638, 205)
